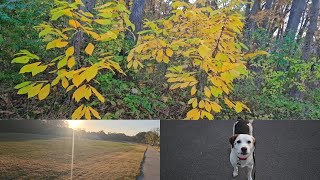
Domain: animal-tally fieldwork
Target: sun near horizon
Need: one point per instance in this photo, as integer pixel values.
(73, 123)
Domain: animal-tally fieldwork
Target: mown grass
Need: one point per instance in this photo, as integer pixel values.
(25, 156)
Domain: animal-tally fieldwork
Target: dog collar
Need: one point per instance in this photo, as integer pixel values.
(242, 159)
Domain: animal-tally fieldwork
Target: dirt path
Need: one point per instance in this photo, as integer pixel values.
(151, 165)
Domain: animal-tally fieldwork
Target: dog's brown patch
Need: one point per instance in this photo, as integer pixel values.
(232, 139)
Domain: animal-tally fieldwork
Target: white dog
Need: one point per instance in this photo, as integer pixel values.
(242, 147)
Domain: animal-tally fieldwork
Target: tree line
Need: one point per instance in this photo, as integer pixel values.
(60, 128)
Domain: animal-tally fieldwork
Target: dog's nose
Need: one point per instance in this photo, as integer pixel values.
(244, 149)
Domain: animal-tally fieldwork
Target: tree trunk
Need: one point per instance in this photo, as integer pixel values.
(267, 7)
(79, 36)
(88, 5)
(136, 16)
(254, 11)
(297, 8)
(314, 13)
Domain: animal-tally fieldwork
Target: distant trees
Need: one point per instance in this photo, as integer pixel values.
(308, 40)
(60, 128)
(294, 19)
(296, 10)
(153, 137)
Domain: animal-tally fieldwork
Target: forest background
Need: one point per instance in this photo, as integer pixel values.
(159, 59)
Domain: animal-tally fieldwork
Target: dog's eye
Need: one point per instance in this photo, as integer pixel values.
(238, 142)
(249, 142)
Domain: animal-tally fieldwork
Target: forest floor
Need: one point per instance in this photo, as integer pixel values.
(26, 156)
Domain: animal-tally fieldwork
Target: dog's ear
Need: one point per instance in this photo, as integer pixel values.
(232, 139)
(254, 141)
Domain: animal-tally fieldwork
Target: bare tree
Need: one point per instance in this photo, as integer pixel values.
(297, 8)
(314, 14)
(136, 16)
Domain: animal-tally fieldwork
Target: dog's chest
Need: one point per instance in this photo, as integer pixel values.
(242, 163)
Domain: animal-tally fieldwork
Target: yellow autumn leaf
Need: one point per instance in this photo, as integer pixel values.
(195, 103)
(207, 92)
(26, 89)
(207, 106)
(207, 114)
(238, 107)
(71, 62)
(34, 90)
(169, 52)
(201, 104)
(193, 90)
(87, 113)
(99, 96)
(77, 80)
(204, 51)
(89, 49)
(64, 82)
(74, 23)
(94, 113)
(191, 100)
(79, 93)
(44, 92)
(90, 73)
(61, 44)
(246, 107)
(228, 102)
(217, 82)
(88, 93)
(193, 114)
(215, 107)
(70, 51)
(77, 113)
(166, 59)
(29, 67)
(103, 21)
(159, 55)
(135, 64)
(70, 88)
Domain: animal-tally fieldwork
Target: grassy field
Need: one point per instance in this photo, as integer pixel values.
(27, 156)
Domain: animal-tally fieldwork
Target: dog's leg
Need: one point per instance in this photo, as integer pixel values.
(235, 171)
(250, 172)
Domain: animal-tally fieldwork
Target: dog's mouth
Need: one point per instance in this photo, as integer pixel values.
(244, 154)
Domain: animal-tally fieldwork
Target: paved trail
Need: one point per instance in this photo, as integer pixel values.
(286, 150)
(151, 165)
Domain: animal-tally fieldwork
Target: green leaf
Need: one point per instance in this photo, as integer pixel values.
(103, 21)
(29, 67)
(62, 62)
(21, 60)
(22, 84)
(38, 69)
(25, 89)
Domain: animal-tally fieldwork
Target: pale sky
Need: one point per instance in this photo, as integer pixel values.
(128, 127)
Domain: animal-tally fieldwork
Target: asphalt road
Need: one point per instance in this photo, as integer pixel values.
(285, 150)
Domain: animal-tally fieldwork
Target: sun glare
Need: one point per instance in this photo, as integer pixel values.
(73, 123)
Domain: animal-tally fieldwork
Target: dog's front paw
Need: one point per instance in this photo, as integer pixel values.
(235, 174)
(250, 178)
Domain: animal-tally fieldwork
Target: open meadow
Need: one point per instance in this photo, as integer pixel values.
(31, 156)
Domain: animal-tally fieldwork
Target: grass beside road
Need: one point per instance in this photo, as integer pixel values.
(26, 156)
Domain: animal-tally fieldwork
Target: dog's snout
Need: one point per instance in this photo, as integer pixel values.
(244, 149)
